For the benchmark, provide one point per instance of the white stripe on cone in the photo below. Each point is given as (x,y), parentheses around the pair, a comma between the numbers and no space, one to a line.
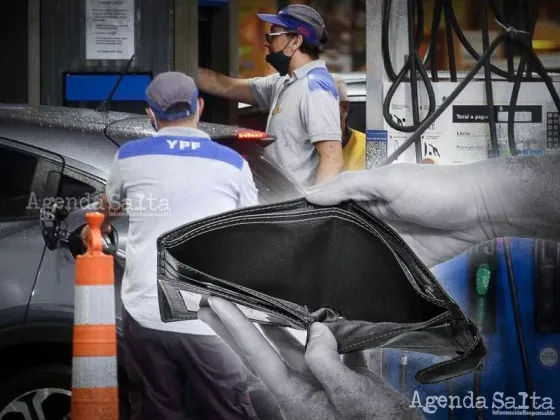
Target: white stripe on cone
(94,372)
(94,305)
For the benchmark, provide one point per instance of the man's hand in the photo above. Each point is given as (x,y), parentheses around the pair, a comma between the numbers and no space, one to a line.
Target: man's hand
(86,232)
(307,385)
(434,208)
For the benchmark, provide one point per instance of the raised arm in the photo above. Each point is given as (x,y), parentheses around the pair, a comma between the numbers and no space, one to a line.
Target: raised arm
(232,88)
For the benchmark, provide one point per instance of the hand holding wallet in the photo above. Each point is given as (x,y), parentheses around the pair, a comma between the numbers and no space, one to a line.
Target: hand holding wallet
(294,263)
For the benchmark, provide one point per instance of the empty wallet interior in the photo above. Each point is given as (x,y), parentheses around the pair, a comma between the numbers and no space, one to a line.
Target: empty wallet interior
(326,258)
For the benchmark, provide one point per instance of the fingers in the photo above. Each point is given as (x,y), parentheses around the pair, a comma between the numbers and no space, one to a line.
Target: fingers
(209,317)
(366,185)
(260,354)
(344,387)
(84,235)
(289,347)
(322,356)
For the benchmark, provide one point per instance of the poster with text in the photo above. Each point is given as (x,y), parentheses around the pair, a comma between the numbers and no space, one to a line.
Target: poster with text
(109,29)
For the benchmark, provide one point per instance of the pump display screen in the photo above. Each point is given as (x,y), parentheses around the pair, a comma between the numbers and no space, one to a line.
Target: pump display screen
(521,116)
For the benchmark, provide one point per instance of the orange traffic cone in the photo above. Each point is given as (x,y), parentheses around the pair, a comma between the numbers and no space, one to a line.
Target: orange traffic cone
(94,365)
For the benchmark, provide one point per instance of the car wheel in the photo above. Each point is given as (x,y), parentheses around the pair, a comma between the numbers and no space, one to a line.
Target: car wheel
(40,393)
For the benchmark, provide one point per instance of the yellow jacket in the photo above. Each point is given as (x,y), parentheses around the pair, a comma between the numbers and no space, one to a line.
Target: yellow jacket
(354,152)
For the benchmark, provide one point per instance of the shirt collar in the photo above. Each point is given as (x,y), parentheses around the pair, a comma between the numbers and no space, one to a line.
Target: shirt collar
(182,132)
(306,68)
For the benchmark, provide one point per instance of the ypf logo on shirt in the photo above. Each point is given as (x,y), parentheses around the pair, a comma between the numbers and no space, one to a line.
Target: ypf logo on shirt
(183,144)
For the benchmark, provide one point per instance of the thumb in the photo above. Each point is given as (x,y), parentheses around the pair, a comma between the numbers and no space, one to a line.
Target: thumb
(322,354)
(365,185)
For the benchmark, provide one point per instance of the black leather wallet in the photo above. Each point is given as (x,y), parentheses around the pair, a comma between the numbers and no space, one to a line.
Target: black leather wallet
(294,263)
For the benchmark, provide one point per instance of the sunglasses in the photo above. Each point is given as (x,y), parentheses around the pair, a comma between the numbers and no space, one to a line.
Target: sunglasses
(268,37)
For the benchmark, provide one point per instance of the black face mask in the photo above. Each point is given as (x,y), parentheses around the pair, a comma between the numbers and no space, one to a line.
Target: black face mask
(280,61)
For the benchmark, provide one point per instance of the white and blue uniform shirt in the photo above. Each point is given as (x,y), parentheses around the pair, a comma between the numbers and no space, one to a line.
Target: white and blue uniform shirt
(163,182)
(303,109)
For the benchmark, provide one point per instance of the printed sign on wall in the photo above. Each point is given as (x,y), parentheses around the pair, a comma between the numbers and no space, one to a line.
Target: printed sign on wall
(109,29)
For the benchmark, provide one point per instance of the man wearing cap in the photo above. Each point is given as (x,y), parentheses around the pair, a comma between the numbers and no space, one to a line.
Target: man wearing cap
(162,182)
(301,97)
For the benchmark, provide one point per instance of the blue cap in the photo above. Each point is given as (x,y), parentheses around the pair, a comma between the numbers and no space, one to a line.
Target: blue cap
(301,19)
(172,88)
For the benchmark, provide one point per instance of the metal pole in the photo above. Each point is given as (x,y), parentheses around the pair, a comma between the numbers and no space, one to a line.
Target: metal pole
(377,78)
(376,145)
(34,52)
(186,37)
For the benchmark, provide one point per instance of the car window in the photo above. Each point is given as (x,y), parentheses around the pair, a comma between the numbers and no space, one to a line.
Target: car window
(77,190)
(73,188)
(17,171)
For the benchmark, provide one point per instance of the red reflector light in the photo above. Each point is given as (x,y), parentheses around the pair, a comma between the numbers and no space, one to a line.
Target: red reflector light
(251,135)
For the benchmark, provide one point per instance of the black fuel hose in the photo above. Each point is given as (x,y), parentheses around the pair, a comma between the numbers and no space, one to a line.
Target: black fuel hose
(430,119)
(488,84)
(413,52)
(385,47)
(412,64)
(419,13)
(448,12)
(470,49)
(532,18)
(438,9)
(517,320)
(532,58)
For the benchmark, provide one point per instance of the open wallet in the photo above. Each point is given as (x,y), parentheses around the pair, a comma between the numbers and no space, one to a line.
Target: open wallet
(294,263)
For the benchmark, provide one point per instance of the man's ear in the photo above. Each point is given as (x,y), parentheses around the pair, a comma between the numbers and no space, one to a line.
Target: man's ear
(200,107)
(151,115)
(296,43)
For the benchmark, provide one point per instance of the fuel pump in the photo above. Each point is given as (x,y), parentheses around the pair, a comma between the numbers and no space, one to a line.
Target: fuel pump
(433,104)
(509,287)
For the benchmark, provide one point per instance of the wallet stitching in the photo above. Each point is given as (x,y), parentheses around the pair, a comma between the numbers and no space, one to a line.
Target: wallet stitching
(455,360)
(452,332)
(197,231)
(168,289)
(429,323)
(239,213)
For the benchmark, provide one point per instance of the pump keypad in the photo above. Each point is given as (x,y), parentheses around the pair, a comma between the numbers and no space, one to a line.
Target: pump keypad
(553,130)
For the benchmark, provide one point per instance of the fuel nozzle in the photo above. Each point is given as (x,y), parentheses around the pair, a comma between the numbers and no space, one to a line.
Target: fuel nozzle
(483,277)
(482,291)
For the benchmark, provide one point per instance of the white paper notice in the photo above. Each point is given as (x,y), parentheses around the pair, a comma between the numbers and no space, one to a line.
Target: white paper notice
(109,29)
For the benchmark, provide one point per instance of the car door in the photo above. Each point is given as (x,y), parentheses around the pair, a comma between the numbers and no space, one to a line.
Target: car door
(27,176)
(53,295)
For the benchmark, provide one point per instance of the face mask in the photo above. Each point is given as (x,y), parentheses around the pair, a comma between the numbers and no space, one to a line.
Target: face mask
(280,61)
